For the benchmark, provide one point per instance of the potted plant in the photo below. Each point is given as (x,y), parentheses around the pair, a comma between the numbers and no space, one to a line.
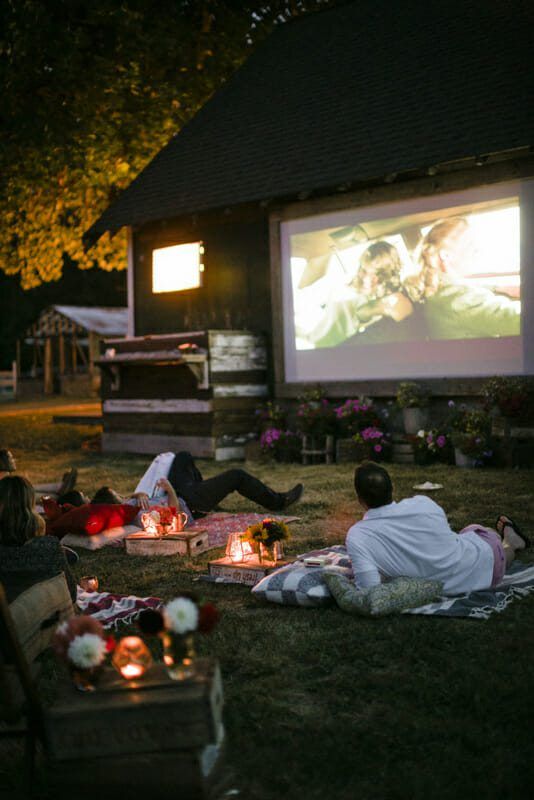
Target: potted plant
(413,399)
(374,444)
(508,398)
(352,417)
(281,445)
(432,445)
(470,435)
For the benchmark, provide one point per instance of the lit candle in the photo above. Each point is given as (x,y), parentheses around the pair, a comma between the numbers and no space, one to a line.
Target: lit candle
(131,657)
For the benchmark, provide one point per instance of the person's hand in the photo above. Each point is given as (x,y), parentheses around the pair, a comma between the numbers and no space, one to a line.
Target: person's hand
(142,500)
(164,484)
(397,306)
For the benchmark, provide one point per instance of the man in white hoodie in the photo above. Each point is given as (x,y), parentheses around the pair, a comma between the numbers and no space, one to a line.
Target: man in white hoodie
(412,538)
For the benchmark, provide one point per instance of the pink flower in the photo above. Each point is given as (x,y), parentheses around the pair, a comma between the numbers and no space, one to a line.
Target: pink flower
(441,441)
(377,448)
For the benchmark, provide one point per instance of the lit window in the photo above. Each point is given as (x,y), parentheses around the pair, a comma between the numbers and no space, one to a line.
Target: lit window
(177,268)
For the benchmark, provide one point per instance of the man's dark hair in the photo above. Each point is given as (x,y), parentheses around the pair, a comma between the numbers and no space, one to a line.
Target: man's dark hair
(73,498)
(106,495)
(373,484)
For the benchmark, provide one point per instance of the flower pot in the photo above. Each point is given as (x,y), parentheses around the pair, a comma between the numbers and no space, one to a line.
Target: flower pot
(415,419)
(463,460)
(349,451)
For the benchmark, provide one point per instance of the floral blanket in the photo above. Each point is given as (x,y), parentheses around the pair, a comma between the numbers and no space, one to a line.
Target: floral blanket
(113,610)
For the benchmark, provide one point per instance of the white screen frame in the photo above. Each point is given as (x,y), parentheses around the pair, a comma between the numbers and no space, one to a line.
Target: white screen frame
(426,359)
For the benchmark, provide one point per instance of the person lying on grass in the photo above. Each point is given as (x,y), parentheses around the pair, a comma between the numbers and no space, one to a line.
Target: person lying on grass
(8,465)
(412,538)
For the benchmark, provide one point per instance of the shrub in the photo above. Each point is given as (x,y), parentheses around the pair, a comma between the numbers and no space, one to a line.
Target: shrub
(411,395)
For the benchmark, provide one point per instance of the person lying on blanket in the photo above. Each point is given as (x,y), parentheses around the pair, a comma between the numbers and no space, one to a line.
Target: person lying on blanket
(177,476)
(412,538)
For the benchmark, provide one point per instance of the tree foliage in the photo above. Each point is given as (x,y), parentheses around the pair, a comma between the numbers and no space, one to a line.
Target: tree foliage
(91,92)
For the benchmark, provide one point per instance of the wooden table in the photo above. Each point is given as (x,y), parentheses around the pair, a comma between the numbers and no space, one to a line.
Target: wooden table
(185,543)
(152,738)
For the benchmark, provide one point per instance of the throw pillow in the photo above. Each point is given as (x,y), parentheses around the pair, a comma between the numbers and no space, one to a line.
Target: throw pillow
(37,612)
(93,518)
(299,585)
(387,598)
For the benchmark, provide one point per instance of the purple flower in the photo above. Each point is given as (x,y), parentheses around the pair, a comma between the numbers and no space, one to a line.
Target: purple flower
(441,441)
(377,448)
(478,440)
(451,403)
(430,438)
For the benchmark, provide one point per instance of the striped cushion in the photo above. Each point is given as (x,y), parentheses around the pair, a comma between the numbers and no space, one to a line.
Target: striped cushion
(298,585)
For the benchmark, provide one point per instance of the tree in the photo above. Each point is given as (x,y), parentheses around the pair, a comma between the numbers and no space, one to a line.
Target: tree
(91,92)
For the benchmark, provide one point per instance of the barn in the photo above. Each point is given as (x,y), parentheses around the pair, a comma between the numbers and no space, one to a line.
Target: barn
(352,134)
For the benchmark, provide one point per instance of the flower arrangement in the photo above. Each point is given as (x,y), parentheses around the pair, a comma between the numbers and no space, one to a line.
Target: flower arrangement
(266,532)
(282,445)
(82,644)
(315,414)
(411,395)
(175,624)
(354,415)
(513,396)
(270,416)
(432,445)
(375,440)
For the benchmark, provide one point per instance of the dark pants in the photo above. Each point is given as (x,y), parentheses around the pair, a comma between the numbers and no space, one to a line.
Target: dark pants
(203,495)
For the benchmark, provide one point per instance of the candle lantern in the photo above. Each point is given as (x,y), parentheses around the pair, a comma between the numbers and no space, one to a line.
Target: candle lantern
(131,657)
(238,549)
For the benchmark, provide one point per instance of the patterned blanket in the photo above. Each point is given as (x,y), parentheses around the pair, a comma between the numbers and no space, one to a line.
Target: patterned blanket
(517,583)
(113,610)
(220,524)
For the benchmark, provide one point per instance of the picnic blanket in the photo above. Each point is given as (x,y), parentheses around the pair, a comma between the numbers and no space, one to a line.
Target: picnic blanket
(113,610)
(517,583)
(222,523)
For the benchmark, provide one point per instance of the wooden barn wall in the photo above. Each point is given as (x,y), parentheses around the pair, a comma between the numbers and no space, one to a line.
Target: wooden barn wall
(236,292)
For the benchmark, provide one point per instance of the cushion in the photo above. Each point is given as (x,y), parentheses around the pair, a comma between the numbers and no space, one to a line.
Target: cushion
(37,612)
(93,518)
(111,536)
(298,585)
(387,598)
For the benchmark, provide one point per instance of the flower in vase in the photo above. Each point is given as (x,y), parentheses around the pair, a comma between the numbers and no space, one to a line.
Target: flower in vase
(208,618)
(86,651)
(181,615)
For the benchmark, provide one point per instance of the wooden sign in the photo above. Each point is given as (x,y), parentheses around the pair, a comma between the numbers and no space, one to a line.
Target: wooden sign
(182,544)
(248,573)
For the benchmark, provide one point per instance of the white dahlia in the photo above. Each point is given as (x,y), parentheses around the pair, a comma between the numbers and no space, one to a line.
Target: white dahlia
(87,650)
(181,615)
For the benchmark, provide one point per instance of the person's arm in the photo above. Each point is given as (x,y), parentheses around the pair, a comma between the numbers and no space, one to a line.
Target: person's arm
(164,484)
(365,571)
(141,499)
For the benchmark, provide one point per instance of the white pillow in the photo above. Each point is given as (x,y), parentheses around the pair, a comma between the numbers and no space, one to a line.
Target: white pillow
(111,536)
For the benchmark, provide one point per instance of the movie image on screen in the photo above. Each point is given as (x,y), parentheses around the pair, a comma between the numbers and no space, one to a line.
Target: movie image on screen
(442,274)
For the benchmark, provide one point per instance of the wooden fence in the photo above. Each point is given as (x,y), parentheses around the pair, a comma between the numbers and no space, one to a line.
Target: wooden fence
(8,382)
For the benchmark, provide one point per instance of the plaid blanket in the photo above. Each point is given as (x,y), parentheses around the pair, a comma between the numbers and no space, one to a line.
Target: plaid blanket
(113,610)
(517,583)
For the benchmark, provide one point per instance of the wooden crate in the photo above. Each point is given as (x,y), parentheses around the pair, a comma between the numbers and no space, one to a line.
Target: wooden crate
(175,544)
(248,573)
(156,737)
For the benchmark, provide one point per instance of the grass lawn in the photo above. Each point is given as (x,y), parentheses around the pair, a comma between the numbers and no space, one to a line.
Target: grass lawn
(320,704)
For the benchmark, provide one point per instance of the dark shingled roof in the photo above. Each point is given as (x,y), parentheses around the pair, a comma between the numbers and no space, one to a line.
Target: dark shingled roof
(349,94)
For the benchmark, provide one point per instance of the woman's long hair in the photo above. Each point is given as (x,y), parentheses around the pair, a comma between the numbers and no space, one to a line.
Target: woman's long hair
(428,256)
(18,520)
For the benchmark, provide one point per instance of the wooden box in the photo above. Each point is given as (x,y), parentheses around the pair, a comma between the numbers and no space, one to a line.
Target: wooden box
(248,573)
(186,543)
(156,737)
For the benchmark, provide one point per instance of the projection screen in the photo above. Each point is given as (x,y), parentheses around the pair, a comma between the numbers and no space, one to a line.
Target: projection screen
(433,286)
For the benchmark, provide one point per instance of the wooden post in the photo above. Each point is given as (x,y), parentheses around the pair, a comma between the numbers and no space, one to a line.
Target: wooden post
(61,343)
(17,357)
(74,353)
(15,379)
(48,367)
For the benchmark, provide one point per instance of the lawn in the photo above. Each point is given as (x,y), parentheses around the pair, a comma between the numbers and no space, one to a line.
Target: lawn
(320,704)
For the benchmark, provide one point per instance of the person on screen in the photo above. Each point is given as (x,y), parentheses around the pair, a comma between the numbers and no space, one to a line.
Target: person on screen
(377,294)
(452,308)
